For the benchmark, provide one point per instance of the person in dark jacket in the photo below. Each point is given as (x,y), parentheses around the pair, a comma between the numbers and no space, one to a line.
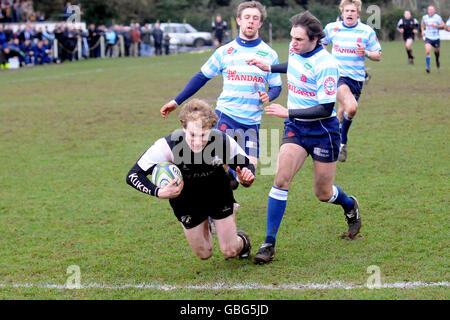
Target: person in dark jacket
(158,39)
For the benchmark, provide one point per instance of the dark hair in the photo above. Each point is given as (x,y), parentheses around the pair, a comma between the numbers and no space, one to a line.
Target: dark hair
(311,24)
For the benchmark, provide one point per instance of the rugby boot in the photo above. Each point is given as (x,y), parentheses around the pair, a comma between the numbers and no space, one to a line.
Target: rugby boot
(353,218)
(265,254)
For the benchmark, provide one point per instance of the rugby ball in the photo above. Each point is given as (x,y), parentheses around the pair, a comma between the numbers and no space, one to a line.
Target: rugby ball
(164,173)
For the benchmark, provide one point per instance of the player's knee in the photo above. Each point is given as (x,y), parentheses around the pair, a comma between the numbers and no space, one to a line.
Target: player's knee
(282,182)
(323,195)
(203,253)
(352,109)
(229,251)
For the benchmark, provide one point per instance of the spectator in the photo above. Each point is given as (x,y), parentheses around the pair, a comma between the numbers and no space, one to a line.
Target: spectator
(59,36)
(6,11)
(42,53)
(135,40)
(48,35)
(26,9)
(40,16)
(146,38)
(157,39)
(67,10)
(38,35)
(111,40)
(9,32)
(27,48)
(69,44)
(126,40)
(166,43)
(7,52)
(26,33)
(93,41)
(84,43)
(16,14)
(3,37)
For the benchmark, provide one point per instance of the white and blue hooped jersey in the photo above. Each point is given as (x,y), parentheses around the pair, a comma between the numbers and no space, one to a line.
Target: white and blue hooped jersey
(239,98)
(312,79)
(345,40)
(432,33)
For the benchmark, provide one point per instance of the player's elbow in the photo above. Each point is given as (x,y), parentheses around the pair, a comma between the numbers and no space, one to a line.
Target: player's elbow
(131,176)
(377,57)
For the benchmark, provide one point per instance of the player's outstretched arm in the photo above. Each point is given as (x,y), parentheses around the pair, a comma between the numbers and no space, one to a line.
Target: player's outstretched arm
(275,68)
(196,82)
(168,108)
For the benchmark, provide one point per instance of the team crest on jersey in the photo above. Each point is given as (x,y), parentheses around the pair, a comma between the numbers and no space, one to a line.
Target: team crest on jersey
(231,50)
(330,86)
(336,29)
(359,40)
(303,78)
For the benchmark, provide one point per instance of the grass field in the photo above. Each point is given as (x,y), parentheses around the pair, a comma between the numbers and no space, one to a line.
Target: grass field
(70,133)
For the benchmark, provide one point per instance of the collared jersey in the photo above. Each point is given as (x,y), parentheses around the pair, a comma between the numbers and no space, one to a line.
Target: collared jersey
(408,26)
(312,79)
(432,33)
(239,98)
(345,42)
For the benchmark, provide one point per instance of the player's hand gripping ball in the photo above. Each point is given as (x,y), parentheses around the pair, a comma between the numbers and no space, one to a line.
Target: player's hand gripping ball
(164,173)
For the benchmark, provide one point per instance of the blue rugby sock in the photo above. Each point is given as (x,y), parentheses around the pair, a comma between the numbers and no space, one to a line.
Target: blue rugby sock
(346,123)
(339,197)
(275,211)
(428,60)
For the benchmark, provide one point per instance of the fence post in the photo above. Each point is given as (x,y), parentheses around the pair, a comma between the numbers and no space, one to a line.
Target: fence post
(121,46)
(102,46)
(55,49)
(80,53)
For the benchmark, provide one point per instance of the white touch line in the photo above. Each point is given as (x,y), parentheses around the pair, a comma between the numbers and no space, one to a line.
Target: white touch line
(224,286)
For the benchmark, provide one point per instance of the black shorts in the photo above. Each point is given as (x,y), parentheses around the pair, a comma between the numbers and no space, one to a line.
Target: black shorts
(434,43)
(192,209)
(407,36)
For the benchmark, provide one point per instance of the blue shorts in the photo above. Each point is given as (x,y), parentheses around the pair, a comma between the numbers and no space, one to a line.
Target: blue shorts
(247,136)
(355,86)
(320,138)
(434,43)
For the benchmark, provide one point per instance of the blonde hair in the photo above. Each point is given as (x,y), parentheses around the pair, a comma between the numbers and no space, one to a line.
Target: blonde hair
(198,110)
(252,4)
(357,3)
